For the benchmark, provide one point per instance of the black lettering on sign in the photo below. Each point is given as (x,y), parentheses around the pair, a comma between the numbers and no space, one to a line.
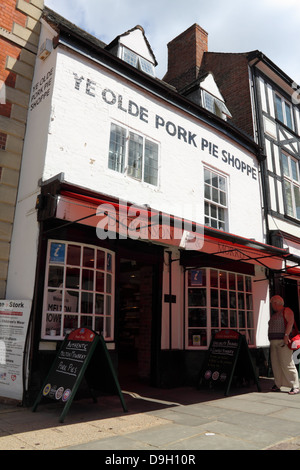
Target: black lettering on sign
(174,130)
(112,98)
(41,90)
(239,164)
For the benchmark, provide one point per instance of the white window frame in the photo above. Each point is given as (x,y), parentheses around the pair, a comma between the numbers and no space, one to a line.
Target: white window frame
(199,337)
(284,104)
(63,303)
(291,185)
(214,205)
(214,105)
(137,61)
(122,159)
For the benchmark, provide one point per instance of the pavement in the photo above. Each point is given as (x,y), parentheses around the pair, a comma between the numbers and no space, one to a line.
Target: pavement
(183,419)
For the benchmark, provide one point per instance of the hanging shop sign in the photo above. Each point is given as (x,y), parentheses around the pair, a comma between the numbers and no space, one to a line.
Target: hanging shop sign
(75,361)
(228,357)
(14,320)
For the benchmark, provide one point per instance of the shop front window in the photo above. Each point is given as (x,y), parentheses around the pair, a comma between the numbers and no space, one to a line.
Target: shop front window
(217,300)
(79,290)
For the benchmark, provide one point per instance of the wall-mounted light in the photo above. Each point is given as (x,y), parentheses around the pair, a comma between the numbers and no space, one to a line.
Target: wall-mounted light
(45,49)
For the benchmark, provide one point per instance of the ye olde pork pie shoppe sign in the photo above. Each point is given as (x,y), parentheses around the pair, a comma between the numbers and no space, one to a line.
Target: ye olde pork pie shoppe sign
(130,107)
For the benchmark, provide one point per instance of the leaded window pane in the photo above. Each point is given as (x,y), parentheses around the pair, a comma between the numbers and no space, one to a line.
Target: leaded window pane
(116,158)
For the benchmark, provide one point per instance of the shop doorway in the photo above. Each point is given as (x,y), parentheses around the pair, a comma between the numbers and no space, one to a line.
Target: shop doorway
(291,297)
(135,321)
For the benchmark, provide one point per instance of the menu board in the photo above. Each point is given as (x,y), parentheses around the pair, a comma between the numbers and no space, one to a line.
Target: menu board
(14,320)
(70,366)
(228,356)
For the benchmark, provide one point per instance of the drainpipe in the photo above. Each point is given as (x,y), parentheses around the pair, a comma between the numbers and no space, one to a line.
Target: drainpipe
(261,155)
(170,299)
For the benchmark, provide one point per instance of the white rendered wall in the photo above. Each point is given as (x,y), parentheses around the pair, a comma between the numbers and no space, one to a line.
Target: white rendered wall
(78,144)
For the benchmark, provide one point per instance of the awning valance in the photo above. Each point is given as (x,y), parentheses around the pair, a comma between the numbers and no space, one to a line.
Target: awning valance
(116,219)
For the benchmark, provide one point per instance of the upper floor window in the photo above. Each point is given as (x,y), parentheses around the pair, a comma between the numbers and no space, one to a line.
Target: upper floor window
(133,154)
(79,290)
(215,200)
(291,185)
(214,105)
(284,111)
(137,61)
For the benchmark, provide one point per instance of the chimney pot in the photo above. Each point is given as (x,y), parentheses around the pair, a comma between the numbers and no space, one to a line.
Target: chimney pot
(185,54)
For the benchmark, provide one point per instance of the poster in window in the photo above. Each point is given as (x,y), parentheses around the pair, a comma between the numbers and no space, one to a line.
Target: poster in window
(54,307)
(196,340)
(196,277)
(57,253)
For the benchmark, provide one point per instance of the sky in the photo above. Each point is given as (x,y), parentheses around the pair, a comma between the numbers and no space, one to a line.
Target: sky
(270,26)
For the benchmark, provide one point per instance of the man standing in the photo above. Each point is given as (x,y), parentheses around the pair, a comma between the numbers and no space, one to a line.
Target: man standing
(280,326)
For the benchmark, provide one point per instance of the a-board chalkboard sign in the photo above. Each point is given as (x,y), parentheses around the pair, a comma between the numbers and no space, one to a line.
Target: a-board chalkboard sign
(228,356)
(70,366)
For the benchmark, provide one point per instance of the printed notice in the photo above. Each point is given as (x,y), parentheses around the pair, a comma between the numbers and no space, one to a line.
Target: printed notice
(14,319)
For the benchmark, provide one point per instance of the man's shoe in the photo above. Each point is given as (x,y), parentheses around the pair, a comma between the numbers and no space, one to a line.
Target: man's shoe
(275,389)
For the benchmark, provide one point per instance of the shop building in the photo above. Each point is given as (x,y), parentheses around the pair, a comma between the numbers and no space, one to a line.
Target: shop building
(139,211)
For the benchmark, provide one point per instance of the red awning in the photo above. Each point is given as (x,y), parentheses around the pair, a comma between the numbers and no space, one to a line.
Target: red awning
(114,219)
(294,271)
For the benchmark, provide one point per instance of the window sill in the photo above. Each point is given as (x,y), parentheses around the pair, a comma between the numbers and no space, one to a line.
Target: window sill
(126,177)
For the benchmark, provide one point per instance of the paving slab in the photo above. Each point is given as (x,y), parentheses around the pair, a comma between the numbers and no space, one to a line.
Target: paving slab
(183,419)
(215,442)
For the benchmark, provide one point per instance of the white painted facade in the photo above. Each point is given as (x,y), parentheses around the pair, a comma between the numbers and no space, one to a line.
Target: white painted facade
(74,101)
(78,145)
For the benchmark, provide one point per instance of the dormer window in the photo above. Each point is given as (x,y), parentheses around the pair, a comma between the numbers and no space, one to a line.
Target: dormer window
(214,105)
(205,92)
(136,60)
(134,48)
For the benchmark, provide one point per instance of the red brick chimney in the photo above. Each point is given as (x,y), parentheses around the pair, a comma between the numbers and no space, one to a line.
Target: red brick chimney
(185,54)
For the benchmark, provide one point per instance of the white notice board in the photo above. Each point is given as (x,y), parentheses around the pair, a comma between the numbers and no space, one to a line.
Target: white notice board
(14,320)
